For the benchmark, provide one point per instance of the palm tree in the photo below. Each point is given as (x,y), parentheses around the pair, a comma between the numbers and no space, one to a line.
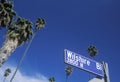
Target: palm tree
(92,50)
(6,13)
(68,71)
(6,73)
(18,33)
(24,54)
(52,79)
(40,23)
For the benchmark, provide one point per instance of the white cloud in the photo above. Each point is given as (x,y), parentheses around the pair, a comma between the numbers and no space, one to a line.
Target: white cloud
(20,77)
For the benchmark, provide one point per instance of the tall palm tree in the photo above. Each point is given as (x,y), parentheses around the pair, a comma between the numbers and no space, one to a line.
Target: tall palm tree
(6,13)
(52,79)
(68,71)
(92,50)
(24,54)
(6,73)
(18,33)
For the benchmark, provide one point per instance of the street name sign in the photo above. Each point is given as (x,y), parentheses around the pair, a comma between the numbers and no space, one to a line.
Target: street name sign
(84,63)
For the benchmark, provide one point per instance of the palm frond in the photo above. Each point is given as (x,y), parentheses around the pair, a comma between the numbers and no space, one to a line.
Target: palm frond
(21,29)
(3,1)
(68,70)
(92,50)
(40,23)
(6,13)
(7,71)
(52,79)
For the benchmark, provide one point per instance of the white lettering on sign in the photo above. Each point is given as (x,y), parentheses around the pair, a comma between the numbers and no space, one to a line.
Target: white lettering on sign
(83,63)
(76,59)
(98,66)
(88,63)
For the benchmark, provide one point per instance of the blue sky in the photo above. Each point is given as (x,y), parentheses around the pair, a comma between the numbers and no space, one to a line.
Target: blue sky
(72,25)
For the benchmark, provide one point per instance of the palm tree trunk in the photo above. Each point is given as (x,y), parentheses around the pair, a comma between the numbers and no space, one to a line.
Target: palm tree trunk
(66,78)
(8,47)
(21,60)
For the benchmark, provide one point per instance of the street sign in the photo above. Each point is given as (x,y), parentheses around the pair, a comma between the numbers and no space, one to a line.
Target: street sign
(84,63)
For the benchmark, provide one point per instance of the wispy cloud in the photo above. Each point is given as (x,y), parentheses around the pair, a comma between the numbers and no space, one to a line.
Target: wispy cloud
(20,77)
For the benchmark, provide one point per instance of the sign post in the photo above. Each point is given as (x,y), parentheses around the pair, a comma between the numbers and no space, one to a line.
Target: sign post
(106,75)
(106,72)
(83,63)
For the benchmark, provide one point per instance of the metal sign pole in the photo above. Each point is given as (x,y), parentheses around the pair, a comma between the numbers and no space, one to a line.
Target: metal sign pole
(106,72)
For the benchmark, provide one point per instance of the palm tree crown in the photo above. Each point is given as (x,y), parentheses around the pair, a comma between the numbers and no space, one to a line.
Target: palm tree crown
(6,13)
(92,50)
(40,23)
(20,30)
(52,79)
(7,72)
(68,70)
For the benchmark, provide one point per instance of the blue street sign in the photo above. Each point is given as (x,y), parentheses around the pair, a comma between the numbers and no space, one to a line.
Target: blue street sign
(83,63)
